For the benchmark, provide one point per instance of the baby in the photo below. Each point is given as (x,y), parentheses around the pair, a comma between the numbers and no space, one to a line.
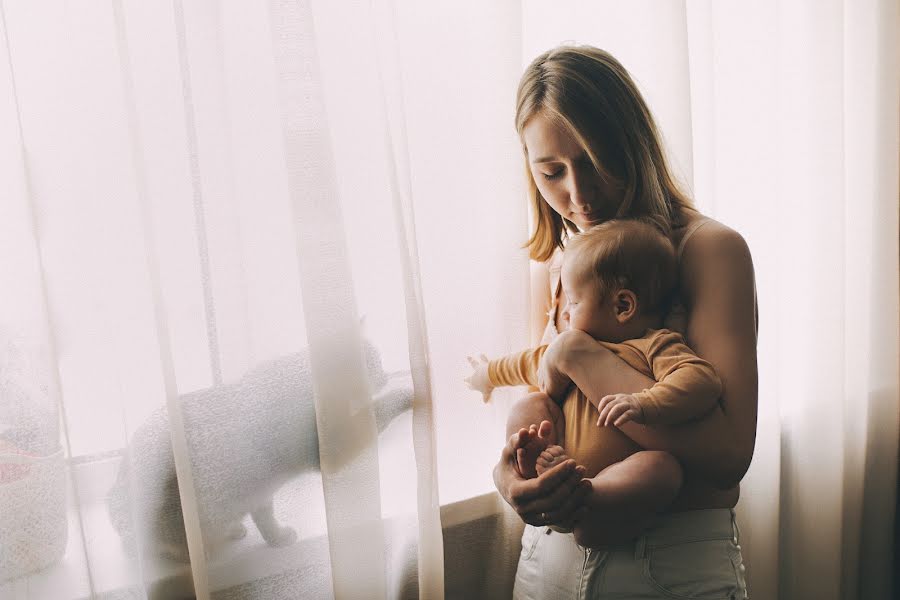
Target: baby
(618,278)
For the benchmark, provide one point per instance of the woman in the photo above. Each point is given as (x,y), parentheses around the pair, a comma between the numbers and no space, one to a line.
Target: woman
(593,153)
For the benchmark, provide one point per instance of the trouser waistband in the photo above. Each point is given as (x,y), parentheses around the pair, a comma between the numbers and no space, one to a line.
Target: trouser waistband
(689,526)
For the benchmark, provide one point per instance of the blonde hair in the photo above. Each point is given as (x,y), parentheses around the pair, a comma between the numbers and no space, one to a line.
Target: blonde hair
(626,253)
(591,94)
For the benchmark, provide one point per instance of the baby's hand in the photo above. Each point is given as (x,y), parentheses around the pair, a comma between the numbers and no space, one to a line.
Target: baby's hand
(618,409)
(479,379)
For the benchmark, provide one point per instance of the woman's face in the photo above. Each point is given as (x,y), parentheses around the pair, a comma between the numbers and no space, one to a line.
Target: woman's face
(565,175)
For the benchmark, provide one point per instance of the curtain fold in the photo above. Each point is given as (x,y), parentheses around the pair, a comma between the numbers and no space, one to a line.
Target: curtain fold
(355,534)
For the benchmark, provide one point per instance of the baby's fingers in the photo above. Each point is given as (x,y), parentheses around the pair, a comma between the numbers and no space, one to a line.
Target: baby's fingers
(623,419)
(615,413)
(603,415)
(606,400)
(629,415)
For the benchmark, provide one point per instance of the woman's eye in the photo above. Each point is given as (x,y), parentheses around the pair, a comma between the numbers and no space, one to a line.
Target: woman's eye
(551,176)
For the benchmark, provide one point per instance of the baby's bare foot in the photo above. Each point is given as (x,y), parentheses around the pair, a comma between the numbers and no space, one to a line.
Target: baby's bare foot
(532,442)
(549,458)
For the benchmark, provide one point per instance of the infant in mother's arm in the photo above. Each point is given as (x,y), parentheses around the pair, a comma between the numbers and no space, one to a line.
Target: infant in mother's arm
(618,278)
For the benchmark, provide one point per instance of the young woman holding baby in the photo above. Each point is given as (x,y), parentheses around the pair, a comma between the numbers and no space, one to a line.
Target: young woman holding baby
(593,153)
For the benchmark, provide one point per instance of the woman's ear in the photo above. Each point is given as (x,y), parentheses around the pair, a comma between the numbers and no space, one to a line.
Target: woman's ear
(625,305)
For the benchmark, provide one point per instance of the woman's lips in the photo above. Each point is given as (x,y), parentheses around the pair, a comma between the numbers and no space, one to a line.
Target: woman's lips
(587,216)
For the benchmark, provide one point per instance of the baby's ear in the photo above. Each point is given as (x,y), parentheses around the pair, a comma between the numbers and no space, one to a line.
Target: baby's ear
(626,305)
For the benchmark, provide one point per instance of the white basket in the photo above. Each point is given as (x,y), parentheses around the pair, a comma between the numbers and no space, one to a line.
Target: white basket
(33,527)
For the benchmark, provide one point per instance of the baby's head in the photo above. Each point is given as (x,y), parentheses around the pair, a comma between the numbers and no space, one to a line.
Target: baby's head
(618,278)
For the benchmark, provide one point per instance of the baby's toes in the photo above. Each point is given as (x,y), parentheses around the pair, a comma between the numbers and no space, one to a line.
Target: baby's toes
(555,451)
(547,460)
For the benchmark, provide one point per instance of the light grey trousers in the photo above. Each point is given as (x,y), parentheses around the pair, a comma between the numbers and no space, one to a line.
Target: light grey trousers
(692,554)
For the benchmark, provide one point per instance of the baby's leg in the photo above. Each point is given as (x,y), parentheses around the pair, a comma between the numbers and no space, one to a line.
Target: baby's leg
(527,417)
(625,497)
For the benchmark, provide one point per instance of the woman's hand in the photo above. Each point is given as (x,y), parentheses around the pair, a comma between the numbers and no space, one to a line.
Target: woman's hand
(556,497)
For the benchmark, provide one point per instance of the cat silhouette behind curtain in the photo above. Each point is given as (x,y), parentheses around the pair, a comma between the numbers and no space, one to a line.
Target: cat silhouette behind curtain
(246,440)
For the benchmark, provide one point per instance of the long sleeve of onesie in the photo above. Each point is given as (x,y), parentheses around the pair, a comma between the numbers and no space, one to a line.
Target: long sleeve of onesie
(520,368)
(687,386)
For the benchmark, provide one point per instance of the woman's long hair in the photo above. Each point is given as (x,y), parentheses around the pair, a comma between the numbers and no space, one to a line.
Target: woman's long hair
(590,93)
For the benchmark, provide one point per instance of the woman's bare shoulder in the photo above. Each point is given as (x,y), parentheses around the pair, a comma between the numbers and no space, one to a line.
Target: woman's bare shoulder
(717,277)
(715,242)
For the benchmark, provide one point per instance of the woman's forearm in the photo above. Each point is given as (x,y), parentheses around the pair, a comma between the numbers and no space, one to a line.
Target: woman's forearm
(704,447)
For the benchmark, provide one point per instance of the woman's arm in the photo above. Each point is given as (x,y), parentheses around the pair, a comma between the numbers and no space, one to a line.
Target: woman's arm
(720,294)
(717,282)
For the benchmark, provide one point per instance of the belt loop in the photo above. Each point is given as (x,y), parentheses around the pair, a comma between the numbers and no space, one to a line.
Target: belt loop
(640,545)
(734,527)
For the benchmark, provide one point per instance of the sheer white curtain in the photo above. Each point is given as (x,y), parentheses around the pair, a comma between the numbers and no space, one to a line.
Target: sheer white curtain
(212,306)
(797,107)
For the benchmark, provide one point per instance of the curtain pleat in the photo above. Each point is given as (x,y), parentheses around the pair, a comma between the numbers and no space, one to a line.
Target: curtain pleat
(28,324)
(430,546)
(355,532)
(183,467)
(193,151)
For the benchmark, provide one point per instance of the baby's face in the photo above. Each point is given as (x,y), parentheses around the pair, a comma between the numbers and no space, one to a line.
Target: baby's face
(588,311)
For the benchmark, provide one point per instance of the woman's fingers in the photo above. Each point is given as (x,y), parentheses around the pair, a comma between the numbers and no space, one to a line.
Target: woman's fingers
(546,495)
(553,508)
(538,510)
(526,490)
(565,514)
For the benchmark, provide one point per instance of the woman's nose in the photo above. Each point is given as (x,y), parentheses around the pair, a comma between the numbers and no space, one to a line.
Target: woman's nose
(581,190)
(579,194)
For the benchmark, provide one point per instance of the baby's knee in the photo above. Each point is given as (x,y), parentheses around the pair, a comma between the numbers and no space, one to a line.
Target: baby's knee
(538,403)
